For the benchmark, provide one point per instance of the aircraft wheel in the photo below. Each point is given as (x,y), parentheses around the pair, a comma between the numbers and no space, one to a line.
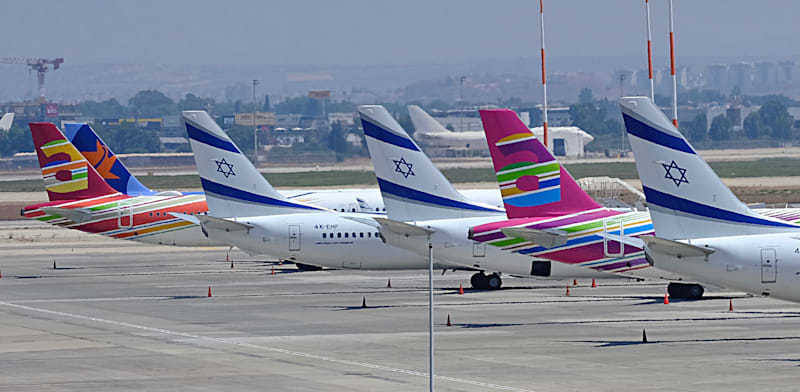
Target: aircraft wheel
(494,281)
(479,281)
(685,290)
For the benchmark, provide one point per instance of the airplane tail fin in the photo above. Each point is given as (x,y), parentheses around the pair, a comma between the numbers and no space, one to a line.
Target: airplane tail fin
(531,180)
(411,186)
(6,121)
(66,173)
(233,186)
(423,122)
(103,159)
(686,198)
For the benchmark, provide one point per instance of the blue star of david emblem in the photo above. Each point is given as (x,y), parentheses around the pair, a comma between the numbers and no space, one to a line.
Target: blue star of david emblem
(403,167)
(225,168)
(678,177)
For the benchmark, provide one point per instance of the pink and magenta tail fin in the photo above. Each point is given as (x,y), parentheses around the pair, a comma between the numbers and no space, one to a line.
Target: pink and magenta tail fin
(532,182)
(66,173)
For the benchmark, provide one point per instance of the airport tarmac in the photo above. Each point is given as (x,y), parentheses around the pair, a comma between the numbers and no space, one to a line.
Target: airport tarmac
(123,316)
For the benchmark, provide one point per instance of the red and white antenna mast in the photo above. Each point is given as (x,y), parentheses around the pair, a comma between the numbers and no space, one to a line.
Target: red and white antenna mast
(544,78)
(672,68)
(649,53)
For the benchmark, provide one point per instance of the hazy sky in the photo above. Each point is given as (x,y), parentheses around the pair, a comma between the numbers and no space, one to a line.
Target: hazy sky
(351,32)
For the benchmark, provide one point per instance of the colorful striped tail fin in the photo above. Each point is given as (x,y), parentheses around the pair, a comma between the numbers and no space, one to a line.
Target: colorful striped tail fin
(84,138)
(67,174)
(531,180)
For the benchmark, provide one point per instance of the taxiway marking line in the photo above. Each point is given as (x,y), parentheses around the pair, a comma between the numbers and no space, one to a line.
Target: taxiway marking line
(265,348)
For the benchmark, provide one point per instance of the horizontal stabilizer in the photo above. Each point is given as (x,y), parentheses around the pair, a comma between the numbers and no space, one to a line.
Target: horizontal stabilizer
(366,221)
(213,222)
(675,248)
(549,238)
(403,228)
(77,215)
(186,217)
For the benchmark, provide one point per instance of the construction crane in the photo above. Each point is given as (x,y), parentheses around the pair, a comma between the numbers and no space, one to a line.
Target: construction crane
(38,65)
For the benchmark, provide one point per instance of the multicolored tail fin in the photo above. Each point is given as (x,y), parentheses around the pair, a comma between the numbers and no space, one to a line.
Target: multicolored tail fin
(233,186)
(411,186)
(84,138)
(67,175)
(686,198)
(531,180)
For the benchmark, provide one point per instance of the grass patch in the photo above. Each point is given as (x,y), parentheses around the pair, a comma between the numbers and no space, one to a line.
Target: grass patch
(770,167)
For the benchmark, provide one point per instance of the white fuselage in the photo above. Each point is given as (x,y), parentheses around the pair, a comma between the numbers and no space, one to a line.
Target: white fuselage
(451,243)
(764,264)
(320,238)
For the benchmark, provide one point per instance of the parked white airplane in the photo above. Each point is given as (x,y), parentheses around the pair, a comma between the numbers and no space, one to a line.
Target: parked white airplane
(417,196)
(702,230)
(246,211)
(6,121)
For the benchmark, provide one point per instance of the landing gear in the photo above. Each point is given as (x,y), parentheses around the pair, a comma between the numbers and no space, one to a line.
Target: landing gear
(481,281)
(307,267)
(685,290)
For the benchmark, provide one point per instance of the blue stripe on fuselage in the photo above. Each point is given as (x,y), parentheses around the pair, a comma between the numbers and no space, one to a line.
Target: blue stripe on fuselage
(408,193)
(226,191)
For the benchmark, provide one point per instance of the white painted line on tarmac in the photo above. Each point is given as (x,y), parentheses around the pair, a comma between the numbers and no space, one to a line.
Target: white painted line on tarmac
(264,348)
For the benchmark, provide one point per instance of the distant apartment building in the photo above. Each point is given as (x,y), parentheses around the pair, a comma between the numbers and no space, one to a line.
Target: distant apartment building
(344,118)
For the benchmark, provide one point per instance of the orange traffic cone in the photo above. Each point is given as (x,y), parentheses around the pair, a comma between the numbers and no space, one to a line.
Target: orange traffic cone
(460,289)
(666,299)
(209,291)
(273,270)
(594,284)
(567,289)
(389,285)
(730,305)
(448,321)
(574,282)
(1,274)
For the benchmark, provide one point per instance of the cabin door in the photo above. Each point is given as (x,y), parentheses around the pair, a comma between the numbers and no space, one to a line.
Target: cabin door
(294,237)
(124,216)
(769,266)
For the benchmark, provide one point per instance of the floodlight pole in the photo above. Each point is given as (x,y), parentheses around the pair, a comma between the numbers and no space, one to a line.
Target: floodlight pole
(255,127)
(430,310)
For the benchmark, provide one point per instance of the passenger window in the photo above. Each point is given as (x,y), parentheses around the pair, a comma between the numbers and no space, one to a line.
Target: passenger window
(361,235)
(377,235)
(338,235)
(377,209)
(345,235)
(354,235)
(323,235)
(352,210)
(151,214)
(369,235)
